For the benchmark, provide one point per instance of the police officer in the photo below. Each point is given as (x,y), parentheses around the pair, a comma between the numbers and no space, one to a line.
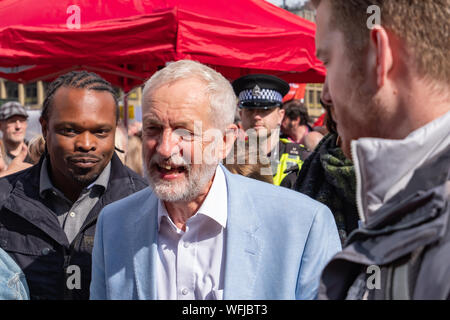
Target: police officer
(260,100)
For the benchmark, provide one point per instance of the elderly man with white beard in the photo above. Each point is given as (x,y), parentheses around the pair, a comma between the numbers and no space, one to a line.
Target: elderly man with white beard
(199,232)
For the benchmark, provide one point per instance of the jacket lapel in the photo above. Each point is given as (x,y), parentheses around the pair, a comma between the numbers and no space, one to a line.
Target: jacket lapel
(144,246)
(243,248)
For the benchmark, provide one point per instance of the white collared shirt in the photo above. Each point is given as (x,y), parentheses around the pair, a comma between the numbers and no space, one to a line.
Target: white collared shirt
(190,263)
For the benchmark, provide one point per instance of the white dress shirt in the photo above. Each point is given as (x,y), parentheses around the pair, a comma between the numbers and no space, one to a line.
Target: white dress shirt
(190,263)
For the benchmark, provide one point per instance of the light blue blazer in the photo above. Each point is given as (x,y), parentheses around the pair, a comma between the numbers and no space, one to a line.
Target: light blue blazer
(277,243)
(13,285)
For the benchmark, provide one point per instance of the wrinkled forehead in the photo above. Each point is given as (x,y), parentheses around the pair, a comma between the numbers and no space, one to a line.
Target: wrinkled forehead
(162,115)
(169,109)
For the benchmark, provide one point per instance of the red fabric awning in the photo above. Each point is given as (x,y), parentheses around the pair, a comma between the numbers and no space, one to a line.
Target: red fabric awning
(126,41)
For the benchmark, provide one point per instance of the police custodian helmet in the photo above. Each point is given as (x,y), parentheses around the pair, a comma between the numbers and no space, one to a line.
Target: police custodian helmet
(260,91)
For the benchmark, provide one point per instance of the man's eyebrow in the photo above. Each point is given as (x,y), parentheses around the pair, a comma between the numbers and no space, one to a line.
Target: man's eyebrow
(65,123)
(184,124)
(77,125)
(150,120)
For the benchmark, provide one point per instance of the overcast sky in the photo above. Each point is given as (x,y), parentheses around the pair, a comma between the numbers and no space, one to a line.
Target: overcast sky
(288,2)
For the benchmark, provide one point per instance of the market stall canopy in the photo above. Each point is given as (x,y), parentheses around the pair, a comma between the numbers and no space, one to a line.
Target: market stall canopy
(126,41)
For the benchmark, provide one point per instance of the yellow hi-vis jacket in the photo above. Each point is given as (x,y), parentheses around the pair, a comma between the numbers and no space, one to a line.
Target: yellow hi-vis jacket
(291,154)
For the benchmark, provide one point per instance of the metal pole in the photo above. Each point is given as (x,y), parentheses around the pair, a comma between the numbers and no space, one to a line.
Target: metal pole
(125,111)
(125,102)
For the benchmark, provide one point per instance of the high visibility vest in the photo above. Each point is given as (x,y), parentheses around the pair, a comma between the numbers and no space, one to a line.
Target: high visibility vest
(291,155)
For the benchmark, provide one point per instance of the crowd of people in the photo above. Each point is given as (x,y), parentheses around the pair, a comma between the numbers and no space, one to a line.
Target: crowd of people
(224,191)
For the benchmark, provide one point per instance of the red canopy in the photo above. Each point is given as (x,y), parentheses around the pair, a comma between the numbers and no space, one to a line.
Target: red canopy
(126,41)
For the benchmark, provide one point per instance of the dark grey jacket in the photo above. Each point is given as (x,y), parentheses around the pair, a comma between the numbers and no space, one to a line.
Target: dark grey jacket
(408,239)
(31,234)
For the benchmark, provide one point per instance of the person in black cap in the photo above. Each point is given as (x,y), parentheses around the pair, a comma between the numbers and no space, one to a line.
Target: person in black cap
(13,124)
(260,100)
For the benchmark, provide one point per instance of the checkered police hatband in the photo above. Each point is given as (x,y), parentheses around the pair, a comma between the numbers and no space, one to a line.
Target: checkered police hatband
(263,94)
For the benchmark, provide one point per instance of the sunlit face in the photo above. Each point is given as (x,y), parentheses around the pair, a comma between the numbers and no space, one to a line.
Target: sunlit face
(355,111)
(180,159)
(264,121)
(79,135)
(14,129)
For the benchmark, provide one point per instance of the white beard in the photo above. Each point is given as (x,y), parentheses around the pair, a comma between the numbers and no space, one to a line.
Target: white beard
(188,189)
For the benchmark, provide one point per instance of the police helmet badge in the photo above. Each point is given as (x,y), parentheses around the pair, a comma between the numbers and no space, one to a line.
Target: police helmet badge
(256,91)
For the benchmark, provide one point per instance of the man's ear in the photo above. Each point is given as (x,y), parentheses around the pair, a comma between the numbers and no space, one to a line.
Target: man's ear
(44,127)
(381,57)
(281,113)
(229,138)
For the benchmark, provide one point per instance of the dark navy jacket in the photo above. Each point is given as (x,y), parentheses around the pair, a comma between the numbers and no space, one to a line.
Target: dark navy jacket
(31,234)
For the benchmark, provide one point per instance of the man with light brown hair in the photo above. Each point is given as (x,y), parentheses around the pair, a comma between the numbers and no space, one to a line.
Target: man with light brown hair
(387,84)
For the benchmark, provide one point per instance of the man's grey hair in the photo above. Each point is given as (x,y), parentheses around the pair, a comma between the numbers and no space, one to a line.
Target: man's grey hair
(218,89)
